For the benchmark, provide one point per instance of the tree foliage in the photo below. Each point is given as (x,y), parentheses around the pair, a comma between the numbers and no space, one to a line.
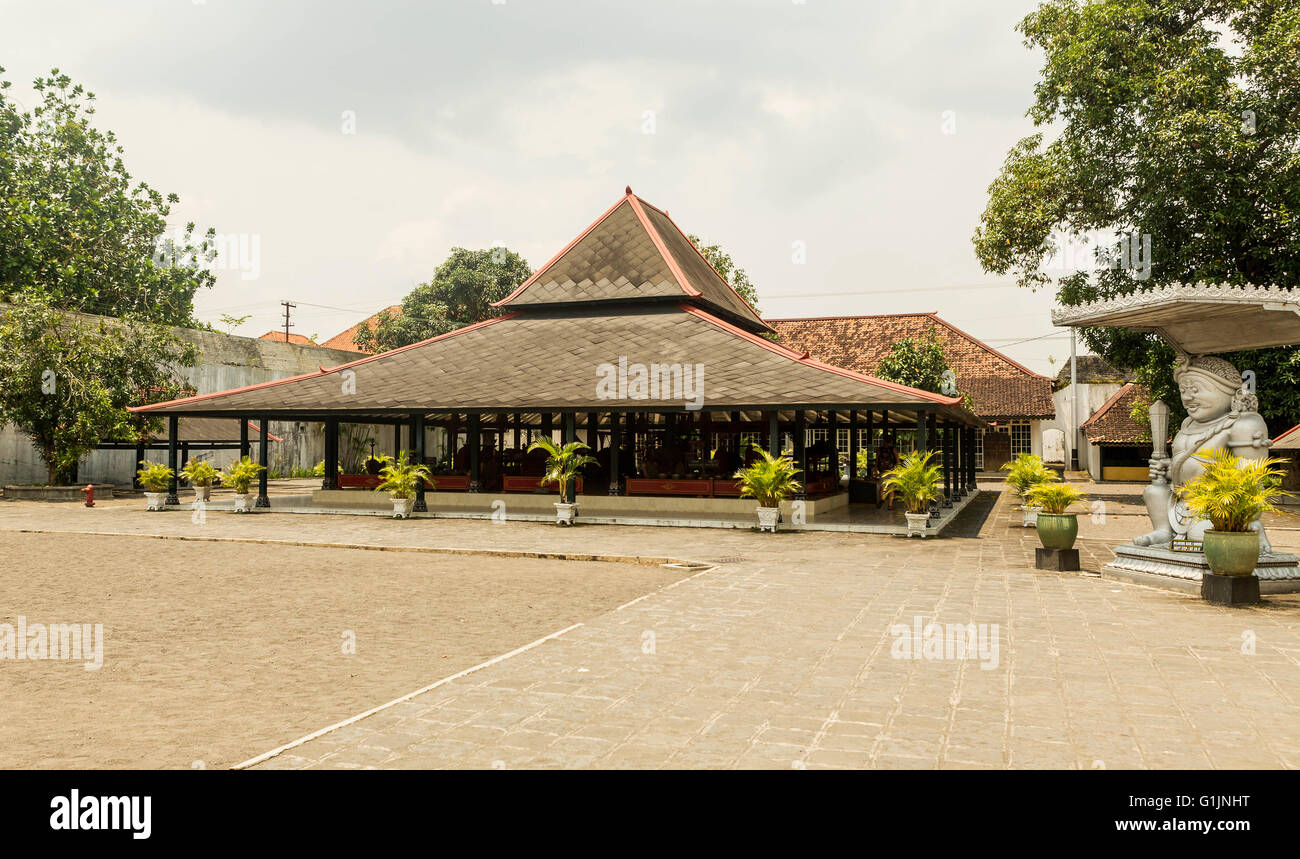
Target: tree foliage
(916,362)
(1178,120)
(460,293)
(73,225)
(731,273)
(67,382)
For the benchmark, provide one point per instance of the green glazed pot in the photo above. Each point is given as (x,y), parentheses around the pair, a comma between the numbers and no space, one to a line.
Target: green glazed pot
(1231,553)
(1058,530)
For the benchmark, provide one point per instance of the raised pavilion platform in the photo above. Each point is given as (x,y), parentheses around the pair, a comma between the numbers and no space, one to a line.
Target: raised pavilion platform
(630,341)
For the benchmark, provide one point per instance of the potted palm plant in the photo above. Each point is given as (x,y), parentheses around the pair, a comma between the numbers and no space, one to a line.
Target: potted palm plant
(400,479)
(1232,493)
(769,480)
(917,481)
(562,467)
(240,476)
(201,474)
(1057,529)
(1024,473)
(156,479)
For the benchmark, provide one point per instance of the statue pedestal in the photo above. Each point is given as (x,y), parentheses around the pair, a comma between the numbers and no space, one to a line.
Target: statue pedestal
(1059,560)
(1157,566)
(1230,590)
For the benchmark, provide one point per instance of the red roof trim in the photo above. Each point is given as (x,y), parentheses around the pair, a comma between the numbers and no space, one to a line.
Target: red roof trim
(934,315)
(663,248)
(810,362)
(317,374)
(553,260)
(696,248)
(1287,433)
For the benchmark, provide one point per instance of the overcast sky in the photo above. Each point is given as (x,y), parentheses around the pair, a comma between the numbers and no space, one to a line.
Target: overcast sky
(757,124)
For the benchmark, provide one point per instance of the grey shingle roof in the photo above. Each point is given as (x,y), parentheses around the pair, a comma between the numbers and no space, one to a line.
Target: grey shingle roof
(550,360)
(633,251)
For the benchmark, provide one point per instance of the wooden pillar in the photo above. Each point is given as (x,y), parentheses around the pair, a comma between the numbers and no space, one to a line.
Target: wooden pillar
(519,419)
(417,442)
(922,439)
(243,438)
(139,463)
(331,480)
(853,446)
(569,433)
(958,462)
(474,438)
(947,463)
(548,426)
(971,434)
(263,429)
(397,440)
(773,433)
(871,431)
(173,430)
(615,442)
(801,452)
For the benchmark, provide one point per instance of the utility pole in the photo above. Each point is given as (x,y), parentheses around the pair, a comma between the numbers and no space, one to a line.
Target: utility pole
(287,323)
(1074,403)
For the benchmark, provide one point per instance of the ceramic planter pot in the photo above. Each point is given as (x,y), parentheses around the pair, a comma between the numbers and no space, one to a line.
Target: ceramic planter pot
(402,507)
(916,523)
(565,513)
(155,500)
(1031,516)
(202,493)
(244,503)
(1231,553)
(1058,530)
(768,517)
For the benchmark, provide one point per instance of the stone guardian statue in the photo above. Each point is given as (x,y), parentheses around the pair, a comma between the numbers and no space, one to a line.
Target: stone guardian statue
(1221,413)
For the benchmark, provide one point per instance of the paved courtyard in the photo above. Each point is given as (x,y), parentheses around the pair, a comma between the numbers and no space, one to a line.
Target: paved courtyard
(780,654)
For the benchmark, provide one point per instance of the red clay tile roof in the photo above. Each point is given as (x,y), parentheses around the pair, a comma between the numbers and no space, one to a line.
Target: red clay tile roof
(278,336)
(1113,423)
(346,340)
(998,386)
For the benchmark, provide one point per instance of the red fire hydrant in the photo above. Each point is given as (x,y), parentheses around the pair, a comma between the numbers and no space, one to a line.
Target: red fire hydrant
(89,492)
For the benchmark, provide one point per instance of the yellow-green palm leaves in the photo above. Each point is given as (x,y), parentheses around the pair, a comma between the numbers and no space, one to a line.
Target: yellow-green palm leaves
(401,477)
(562,463)
(916,479)
(769,480)
(1232,492)
(1052,497)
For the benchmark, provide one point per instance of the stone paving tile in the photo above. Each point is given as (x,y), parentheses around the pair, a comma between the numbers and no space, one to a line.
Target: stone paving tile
(784,659)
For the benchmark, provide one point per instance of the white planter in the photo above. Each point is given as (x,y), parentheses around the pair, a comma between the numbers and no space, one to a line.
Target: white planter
(565,513)
(203,493)
(916,523)
(1031,516)
(402,507)
(244,503)
(768,517)
(155,500)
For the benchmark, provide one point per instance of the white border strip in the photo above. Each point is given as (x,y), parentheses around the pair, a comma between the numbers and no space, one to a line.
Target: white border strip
(408,696)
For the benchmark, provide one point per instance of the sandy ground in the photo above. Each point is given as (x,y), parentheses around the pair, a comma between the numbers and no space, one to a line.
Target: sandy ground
(216,652)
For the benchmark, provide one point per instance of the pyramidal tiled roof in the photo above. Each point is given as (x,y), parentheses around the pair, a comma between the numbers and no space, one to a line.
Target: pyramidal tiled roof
(633,252)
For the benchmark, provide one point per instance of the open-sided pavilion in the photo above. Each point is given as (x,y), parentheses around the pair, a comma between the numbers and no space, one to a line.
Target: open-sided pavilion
(629,341)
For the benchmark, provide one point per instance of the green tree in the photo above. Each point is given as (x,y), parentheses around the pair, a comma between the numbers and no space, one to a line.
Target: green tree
(1177,121)
(731,273)
(916,362)
(460,293)
(75,228)
(67,381)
